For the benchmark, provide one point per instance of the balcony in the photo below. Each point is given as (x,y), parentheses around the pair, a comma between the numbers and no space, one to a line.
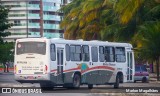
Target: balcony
(33,6)
(33,25)
(51,17)
(20,25)
(33,16)
(52,35)
(50,8)
(51,26)
(34,34)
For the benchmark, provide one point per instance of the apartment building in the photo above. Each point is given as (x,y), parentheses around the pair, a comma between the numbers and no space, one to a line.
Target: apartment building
(35,18)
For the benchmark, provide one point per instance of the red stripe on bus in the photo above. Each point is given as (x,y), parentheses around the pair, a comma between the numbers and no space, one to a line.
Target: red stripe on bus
(53,70)
(97,67)
(106,67)
(72,69)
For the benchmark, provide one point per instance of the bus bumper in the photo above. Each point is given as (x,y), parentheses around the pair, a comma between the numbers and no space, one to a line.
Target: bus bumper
(32,78)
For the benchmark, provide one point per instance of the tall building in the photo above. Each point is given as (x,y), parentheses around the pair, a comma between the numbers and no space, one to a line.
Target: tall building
(34,18)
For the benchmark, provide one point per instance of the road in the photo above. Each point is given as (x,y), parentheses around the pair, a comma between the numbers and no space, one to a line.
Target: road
(7,80)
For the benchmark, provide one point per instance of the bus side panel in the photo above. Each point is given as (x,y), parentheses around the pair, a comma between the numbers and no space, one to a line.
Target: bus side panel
(113,77)
(104,76)
(68,77)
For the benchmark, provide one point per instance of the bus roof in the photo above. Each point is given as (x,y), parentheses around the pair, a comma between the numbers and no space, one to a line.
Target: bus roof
(79,41)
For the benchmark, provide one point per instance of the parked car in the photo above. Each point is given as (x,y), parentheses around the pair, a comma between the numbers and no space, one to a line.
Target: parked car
(141,73)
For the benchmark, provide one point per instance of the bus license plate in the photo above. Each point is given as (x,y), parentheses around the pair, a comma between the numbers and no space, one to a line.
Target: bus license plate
(30,77)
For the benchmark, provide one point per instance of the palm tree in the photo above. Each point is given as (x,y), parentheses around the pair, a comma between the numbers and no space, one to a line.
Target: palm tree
(126,9)
(70,22)
(148,13)
(83,18)
(149,36)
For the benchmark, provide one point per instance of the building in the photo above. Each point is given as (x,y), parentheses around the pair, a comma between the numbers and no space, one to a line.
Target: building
(34,18)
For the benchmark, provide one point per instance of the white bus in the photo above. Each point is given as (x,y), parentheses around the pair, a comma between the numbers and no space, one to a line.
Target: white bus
(71,63)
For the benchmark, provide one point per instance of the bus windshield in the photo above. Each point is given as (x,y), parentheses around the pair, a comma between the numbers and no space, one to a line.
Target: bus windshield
(31,47)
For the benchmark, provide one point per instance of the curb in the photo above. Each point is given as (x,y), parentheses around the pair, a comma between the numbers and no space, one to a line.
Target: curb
(15,85)
(6,73)
(10,69)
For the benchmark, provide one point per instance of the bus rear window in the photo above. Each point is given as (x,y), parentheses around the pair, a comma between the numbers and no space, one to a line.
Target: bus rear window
(31,47)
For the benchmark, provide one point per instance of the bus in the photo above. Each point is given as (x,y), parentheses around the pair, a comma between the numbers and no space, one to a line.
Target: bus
(71,63)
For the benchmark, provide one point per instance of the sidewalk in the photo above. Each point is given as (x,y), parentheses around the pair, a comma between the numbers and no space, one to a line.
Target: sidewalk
(11,70)
(153,77)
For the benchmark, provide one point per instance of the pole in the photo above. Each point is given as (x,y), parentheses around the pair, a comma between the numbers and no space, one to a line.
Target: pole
(41,18)
(27,17)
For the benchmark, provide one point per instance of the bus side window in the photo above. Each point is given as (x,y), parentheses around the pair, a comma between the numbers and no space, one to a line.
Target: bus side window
(101,53)
(85,53)
(94,52)
(109,54)
(120,54)
(67,52)
(75,53)
(53,52)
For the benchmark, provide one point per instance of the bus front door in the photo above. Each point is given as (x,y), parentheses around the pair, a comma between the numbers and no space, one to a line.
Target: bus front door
(130,69)
(60,57)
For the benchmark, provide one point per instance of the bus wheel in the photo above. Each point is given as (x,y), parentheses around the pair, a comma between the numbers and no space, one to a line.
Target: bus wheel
(90,86)
(144,80)
(76,81)
(116,84)
(46,86)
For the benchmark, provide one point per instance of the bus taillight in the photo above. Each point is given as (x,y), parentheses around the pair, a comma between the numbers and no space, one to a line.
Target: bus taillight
(46,68)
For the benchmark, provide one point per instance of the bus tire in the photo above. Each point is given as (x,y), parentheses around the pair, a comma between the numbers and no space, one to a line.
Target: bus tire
(90,86)
(121,78)
(144,80)
(116,84)
(46,86)
(76,81)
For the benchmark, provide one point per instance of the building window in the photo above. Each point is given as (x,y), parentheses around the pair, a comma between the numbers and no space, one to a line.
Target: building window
(85,53)
(53,52)
(120,54)
(75,52)
(94,52)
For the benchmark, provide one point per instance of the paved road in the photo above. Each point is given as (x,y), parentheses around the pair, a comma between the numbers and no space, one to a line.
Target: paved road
(7,80)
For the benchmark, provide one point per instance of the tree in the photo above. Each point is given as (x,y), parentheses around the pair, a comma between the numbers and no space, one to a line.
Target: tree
(5,48)
(149,36)
(85,18)
(126,9)
(7,53)
(4,24)
(70,22)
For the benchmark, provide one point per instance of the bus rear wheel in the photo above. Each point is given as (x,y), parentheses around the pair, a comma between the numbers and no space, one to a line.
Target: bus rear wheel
(116,84)
(76,81)
(46,86)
